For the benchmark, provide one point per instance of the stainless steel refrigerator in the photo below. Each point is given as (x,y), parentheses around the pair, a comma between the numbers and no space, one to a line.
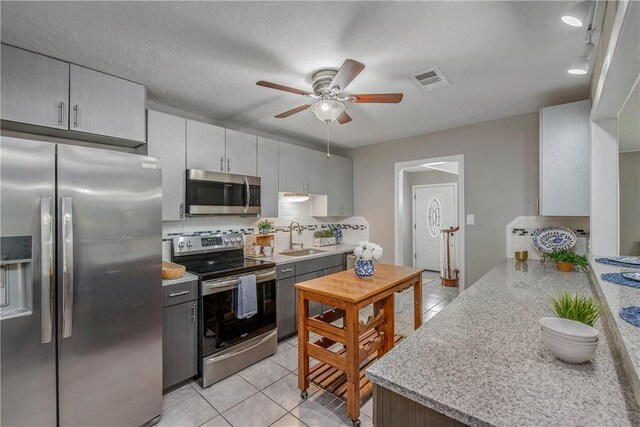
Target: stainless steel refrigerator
(80,291)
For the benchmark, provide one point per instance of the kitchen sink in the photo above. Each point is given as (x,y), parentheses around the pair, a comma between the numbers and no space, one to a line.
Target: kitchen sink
(302,252)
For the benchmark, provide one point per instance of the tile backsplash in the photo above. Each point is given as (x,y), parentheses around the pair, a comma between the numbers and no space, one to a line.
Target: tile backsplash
(354,229)
(518,232)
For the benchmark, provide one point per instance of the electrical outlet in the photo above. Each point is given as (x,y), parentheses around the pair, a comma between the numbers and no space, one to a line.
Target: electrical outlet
(471,219)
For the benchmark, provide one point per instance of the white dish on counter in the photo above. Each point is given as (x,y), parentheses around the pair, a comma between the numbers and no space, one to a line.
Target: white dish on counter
(561,337)
(632,276)
(632,260)
(570,352)
(568,328)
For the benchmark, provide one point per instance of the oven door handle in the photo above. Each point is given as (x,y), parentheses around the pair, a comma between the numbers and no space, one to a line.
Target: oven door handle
(266,276)
(216,287)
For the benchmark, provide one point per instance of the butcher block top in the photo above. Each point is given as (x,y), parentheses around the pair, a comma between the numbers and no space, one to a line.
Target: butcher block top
(348,287)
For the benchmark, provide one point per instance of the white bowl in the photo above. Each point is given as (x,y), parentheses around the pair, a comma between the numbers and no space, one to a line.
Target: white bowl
(569,328)
(570,343)
(562,337)
(569,353)
(267,250)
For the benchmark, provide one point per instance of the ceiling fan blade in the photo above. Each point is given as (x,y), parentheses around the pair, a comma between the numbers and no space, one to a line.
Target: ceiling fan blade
(282,87)
(293,111)
(349,70)
(386,98)
(344,118)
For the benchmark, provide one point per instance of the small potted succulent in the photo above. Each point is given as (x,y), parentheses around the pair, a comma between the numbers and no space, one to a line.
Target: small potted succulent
(265,226)
(575,307)
(567,260)
(366,253)
(324,238)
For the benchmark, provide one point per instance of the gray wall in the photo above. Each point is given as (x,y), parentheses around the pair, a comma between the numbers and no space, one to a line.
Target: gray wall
(501,182)
(630,203)
(411,179)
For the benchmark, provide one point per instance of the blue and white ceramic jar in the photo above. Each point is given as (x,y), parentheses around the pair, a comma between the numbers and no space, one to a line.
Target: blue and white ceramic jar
(364,268)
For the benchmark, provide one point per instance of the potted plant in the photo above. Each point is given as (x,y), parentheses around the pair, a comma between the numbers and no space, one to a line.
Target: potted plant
(366,253)
(265,226)
(567,260)
(324,238)
(576,307)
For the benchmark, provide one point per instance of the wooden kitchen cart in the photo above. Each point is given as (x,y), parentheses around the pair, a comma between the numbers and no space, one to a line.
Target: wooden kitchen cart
(342,371)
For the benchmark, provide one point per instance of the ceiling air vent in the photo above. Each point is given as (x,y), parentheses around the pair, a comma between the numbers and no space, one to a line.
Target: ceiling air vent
(430,80)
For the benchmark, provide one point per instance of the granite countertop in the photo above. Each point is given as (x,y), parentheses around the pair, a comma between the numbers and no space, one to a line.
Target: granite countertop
(482,361)
(188,277)
(625,335)
(279,258)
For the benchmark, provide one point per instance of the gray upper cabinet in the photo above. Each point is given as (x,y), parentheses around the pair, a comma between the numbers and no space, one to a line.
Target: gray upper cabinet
(35,89)
(106,105)
(340,189)
(241,152)
(564,160)
(316,171)
(166,139)
(268,173)
(205,147)
(291,173)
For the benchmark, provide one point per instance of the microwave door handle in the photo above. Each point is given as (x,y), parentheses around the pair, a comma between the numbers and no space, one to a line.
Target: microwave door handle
(247,192)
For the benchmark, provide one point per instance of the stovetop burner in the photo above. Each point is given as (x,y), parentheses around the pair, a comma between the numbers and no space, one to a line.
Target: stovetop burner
(215,256)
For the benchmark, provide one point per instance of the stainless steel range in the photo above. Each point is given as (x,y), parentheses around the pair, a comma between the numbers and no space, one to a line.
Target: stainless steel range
(228,342)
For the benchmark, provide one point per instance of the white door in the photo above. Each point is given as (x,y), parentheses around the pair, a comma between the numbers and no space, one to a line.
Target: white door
(434,208)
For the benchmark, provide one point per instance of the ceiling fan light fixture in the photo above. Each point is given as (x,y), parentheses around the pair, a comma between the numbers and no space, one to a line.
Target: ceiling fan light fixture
(295,197)
(327,110)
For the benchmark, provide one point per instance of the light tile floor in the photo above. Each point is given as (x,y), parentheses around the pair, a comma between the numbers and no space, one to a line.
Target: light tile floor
(266,393)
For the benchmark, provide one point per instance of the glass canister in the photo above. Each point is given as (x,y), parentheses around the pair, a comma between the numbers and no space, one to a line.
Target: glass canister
(449,259)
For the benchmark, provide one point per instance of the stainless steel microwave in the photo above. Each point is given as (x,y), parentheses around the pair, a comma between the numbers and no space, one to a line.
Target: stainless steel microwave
(216,193)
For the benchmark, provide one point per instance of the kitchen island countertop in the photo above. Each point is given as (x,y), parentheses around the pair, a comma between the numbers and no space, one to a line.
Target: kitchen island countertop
(482,361)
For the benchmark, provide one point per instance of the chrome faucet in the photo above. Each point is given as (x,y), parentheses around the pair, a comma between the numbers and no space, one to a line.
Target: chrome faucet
(291,244)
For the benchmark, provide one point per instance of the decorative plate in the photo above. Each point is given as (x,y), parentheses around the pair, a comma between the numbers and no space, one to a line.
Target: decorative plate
(548,239)
(632,276)
(626,259)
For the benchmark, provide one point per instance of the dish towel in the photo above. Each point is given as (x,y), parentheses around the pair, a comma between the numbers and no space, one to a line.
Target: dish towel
(619,279)
(247,302)
(631,314)
(616,263)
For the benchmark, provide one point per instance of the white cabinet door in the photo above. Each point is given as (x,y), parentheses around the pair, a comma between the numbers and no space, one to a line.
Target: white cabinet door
(241,153)
(106,105)
(205,147)
(315,166)
(564,160)
(290,168)
(268,172)
(35,88)
(340,186)
(166,139)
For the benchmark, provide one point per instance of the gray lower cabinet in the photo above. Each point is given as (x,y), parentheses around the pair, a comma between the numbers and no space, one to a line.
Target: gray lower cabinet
(298,272)
(180,336)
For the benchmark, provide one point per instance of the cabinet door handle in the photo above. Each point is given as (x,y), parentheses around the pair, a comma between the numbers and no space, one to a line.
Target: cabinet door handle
(228,165)
(221,164)
(177,294)
(286,270)
(75,115)
(181,210)
(61,113)
(193,312)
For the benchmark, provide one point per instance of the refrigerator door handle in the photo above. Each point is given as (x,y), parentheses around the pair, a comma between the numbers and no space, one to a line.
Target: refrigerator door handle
(67,267)
(46,255)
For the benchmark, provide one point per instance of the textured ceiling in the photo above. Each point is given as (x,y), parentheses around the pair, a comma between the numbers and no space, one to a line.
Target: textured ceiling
(502,58)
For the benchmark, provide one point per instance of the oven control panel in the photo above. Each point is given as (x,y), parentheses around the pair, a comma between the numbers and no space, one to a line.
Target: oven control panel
(189,245)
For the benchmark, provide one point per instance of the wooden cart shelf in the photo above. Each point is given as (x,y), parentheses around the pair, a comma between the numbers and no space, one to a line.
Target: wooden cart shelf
(342,372)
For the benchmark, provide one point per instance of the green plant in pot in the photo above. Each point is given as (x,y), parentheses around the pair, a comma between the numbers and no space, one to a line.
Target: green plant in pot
(576,307)
(323,234)
(265,226)
(567,260)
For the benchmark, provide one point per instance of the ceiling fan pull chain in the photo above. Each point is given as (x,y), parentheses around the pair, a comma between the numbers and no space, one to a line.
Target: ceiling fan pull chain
(328,155)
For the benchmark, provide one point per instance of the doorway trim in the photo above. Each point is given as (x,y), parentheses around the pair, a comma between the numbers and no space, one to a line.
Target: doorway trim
(400,205)
(413,208)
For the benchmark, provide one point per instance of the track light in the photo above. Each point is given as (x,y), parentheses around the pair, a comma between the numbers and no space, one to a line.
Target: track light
(581,65)
(578,14)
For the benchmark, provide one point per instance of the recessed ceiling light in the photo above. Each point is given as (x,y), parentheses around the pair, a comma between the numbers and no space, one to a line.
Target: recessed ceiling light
(578,14)
(427,165)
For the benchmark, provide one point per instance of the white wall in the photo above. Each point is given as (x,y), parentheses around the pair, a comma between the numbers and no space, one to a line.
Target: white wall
(501,182)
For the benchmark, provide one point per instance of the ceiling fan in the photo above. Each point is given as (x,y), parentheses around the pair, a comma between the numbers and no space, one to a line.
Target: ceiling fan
(328,86)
